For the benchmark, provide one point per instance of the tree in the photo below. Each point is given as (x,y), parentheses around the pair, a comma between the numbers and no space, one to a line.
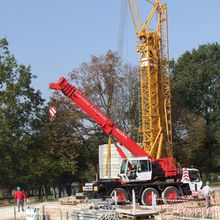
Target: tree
(130,101)
(112,86)
(108,84)
(196,82)
(58,149)
(20,108)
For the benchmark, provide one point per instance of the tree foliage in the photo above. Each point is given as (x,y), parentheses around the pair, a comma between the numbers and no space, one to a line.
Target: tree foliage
(112,87)
(36,152)
(20,108)
(196,84)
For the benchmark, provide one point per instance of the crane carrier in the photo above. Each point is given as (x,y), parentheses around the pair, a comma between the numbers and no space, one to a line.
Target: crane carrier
(141,173)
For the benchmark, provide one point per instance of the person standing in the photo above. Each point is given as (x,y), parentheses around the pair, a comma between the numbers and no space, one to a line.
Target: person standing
(207,190)
(20,197)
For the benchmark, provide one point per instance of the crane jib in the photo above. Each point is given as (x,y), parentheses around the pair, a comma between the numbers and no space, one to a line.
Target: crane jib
(99,117)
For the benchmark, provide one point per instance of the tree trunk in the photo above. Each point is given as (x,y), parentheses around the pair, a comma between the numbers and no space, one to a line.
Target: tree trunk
(54,192)
(60,191)
(39,193)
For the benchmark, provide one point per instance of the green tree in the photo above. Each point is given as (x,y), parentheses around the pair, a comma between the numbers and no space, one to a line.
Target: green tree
(196,82)
(20,108)
(59,153)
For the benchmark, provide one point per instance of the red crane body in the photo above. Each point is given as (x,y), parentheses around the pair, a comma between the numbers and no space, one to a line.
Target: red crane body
(109,127)
(105,123)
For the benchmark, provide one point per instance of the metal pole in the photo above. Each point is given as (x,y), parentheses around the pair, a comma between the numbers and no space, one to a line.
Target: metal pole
(115,198)
(67,216)
(133,200)
(154,202)
(61,217)
(75,216)
(14,213)
(43,212)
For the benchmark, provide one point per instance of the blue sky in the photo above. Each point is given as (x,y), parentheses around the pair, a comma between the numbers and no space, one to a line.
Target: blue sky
(55,36)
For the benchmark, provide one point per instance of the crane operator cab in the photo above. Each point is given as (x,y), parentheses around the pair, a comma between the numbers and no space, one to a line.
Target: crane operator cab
(135,169)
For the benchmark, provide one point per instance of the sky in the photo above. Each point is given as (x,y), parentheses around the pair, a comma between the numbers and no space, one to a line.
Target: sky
(56,36)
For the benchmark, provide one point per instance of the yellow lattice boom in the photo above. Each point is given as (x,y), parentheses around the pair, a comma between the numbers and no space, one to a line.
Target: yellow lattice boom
(156,125)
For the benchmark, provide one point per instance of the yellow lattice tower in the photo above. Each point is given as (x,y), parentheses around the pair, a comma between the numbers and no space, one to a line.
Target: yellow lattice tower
(156,125)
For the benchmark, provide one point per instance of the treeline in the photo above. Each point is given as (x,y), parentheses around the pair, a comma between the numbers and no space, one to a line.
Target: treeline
(196,108)
(37,153)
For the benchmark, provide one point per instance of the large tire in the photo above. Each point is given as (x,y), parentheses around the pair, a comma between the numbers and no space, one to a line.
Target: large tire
(170,195)
(122,195)
(146,197)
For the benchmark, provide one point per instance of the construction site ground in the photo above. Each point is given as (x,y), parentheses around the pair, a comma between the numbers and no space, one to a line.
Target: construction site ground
(67,208)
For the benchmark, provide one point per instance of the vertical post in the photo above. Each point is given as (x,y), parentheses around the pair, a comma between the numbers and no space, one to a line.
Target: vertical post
(133,200)
(67,216)
(61,217)
(43,212)
(14,213)
(75,216)
(115,198)
(154,202)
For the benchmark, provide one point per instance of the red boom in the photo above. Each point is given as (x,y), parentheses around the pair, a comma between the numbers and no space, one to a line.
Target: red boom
(100,118)
(108,126)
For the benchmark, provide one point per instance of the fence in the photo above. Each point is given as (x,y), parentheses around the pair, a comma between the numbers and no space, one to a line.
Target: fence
(188,208)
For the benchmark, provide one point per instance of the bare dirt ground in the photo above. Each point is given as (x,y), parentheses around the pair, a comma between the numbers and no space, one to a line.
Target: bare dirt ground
(54,209)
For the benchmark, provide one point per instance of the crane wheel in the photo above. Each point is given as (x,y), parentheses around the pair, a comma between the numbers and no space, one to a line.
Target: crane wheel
(122,195)
(170,195)
(146,197)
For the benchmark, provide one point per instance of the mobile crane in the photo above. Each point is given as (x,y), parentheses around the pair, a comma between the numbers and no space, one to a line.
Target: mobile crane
(159,176)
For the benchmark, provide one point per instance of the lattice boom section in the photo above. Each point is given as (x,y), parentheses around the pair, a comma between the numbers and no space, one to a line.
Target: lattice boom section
(151,85)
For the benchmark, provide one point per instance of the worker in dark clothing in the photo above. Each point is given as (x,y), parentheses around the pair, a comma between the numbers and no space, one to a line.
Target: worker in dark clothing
(132,173)
(20,197)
